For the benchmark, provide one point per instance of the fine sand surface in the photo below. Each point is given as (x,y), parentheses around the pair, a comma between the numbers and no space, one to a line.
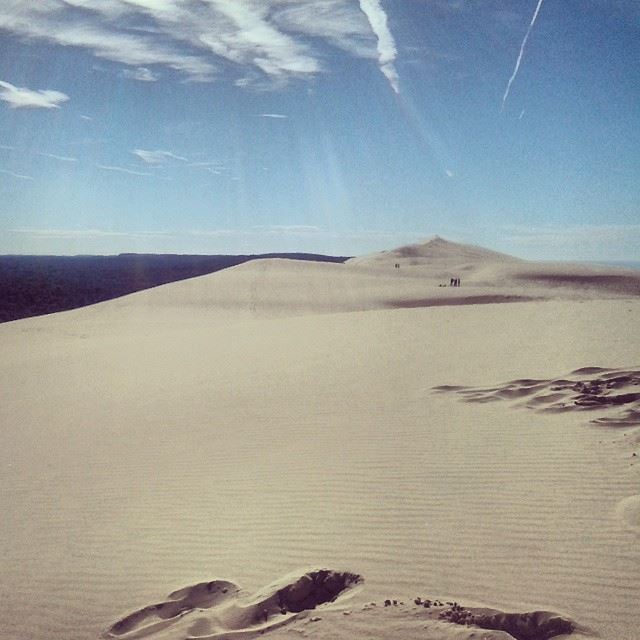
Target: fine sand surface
(191,461)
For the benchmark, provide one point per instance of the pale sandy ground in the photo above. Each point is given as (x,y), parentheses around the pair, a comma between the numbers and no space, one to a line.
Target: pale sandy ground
(280,416)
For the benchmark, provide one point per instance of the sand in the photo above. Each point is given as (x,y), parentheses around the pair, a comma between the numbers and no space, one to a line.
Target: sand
(270,421)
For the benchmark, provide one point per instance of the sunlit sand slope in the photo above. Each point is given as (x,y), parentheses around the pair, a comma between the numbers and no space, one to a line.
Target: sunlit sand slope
(277,417)
(279,287)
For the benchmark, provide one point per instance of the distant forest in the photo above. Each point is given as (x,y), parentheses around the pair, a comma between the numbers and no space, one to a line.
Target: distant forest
(36,285)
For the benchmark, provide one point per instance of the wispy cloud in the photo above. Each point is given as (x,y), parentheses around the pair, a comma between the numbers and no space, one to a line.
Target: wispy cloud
(56,157)
(86,117)
(521,53)
(312,232)
(573,242)
(86,233)
(208,163)
(572,234)
(21,97)
(387,51)
(67,233)
(97,31)
(20,176)
(265,239)
(338,22)
(277,116)
(87,142)
(262,40)
(122,170)
(288,229)
(214,167)
(7,147)
(156,157)
(141,74)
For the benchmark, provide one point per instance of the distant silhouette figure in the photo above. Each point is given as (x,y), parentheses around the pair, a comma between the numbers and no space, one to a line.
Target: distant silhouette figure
(451,282)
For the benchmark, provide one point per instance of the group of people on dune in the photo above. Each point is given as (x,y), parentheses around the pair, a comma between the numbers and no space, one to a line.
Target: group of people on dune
(453,282)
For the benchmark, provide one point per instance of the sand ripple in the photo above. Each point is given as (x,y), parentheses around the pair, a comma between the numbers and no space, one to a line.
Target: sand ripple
(165,455)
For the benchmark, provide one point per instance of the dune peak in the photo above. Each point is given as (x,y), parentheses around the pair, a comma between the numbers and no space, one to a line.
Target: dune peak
(434,249)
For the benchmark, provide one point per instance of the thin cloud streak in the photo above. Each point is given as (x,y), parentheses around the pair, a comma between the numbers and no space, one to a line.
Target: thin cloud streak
(572,235)
(519,60)
(21,97)
(276,116)
(216,168)
(288,229)
(588,242)
(387,51)
(122,170)
(20,176)
(56,157)
(87,233)
(267,239)
(157,157)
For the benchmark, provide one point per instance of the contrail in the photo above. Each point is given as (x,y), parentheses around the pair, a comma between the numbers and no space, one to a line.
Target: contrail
(16,175)
(522,46)
(386,44)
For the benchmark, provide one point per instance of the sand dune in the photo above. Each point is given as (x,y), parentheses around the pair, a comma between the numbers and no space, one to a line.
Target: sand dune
(438,252)
(280,287)
(278,415)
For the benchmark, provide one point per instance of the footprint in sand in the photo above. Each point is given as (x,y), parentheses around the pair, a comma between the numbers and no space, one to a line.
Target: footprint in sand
(629,511)
(217,609)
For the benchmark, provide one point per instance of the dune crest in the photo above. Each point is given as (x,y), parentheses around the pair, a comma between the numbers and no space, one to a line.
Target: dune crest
(435,250)
(435,273)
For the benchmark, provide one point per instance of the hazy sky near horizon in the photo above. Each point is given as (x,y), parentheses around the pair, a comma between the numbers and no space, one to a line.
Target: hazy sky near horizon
(332,126)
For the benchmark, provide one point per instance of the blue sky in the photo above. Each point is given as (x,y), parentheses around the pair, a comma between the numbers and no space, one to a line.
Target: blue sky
(332,126)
